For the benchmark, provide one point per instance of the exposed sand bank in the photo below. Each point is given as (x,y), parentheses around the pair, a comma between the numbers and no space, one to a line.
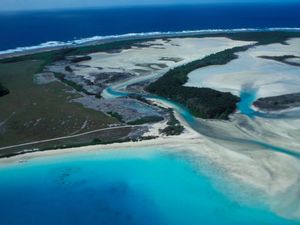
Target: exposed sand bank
(154,56)
(264,76)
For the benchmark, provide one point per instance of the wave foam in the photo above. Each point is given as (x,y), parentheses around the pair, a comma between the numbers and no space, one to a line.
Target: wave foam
(53,44)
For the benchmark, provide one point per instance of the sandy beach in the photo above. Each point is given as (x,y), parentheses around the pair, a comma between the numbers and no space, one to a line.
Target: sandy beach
(271,176)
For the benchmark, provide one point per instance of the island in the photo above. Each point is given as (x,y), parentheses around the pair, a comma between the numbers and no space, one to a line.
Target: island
(227,101)
(120,91)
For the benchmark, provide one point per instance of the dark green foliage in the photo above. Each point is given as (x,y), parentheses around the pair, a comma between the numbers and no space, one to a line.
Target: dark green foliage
(47,57)
(172,130)
(3,90)
(148,119)
(202,102)
(81,58)
(172,120)
(262,37)
(174,127)
(68,69)
(117,116)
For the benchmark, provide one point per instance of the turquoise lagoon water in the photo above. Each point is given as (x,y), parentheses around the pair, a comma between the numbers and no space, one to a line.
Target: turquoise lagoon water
(182,110)
(247,99)
(140,186)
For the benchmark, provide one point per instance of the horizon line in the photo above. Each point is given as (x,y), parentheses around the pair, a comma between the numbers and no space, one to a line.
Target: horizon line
(272,2)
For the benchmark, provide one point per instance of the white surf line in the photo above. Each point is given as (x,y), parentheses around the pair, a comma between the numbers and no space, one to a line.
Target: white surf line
(56,45)
(70,136)
(128,36)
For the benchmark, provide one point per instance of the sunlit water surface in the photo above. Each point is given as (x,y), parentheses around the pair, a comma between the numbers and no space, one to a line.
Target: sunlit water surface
(139,186)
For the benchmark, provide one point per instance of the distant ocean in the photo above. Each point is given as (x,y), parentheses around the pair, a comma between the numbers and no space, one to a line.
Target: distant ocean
(50,28)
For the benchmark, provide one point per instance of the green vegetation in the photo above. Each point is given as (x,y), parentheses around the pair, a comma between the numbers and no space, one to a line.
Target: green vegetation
(202,102)
(174,127)
(81,58)
(3,90)
(68,69)
(117,116)
(33,112)
(148,119)
(45,57)
(262,37)
(119,134)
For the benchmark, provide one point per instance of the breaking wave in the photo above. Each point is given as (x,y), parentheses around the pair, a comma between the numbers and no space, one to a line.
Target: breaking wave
(53,44)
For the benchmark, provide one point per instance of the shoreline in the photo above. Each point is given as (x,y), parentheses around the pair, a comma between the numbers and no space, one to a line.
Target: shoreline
(229,167)
(98,40)
(187,135)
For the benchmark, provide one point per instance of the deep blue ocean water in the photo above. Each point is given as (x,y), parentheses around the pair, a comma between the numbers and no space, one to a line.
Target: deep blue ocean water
(119,187)
(19,29)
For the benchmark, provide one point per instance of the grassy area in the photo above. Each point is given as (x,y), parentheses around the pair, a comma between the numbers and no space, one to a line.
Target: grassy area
(34,112)
(100,137)
(44,57)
